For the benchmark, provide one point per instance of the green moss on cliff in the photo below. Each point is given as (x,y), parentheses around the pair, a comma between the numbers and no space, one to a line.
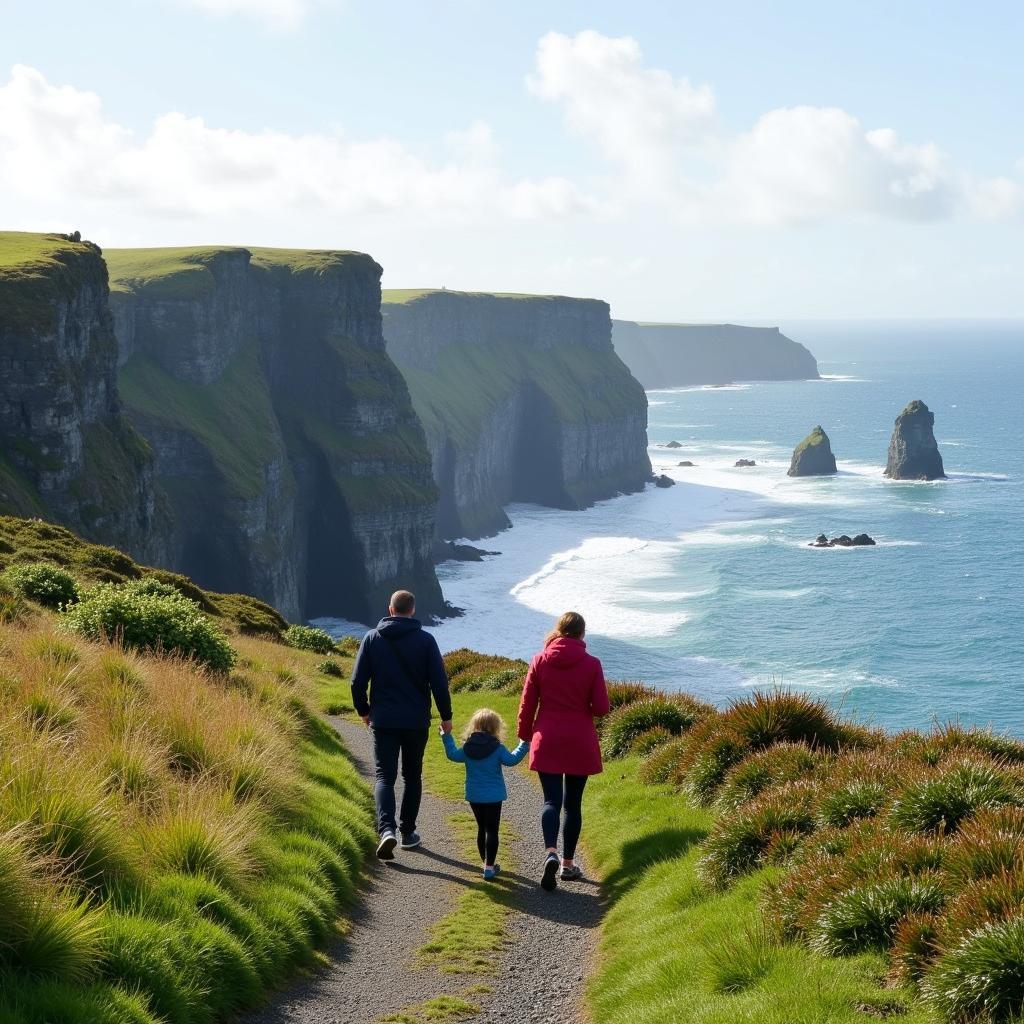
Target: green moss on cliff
(17,495)
(471,383)
(36,272)
(32,540)
(812,440)
(400,296)
(232,418)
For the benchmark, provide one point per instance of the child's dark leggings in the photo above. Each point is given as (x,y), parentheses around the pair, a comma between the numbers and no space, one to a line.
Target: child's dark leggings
(556,796)
(488,818)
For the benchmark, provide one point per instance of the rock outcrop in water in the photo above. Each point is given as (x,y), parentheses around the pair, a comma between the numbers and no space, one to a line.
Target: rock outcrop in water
(677,355)
(522,398)
(67,453)
(813,456)
(913,451)
(284,437)
(862,540)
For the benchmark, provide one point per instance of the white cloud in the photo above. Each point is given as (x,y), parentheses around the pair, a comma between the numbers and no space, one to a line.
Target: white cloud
(640,118)
(275,14)
(58,149)
(795,165)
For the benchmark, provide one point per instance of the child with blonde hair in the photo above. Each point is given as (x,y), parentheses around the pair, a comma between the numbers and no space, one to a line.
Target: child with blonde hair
(484,754)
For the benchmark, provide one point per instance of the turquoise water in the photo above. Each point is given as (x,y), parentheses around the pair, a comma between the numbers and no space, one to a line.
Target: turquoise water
(709,586)
(928,624)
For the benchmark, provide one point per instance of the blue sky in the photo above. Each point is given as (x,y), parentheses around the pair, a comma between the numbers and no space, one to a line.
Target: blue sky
(683,161)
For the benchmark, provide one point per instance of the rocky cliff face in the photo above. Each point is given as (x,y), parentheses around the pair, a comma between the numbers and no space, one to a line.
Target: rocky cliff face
(913,452)
(66,451)
(522,399)
(813,456)
(679,355)
(284,436)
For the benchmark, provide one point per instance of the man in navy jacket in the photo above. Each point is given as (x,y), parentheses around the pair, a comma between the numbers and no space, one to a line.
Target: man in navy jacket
(397,669)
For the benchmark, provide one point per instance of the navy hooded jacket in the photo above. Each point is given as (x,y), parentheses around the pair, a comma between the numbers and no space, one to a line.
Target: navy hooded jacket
(397,669)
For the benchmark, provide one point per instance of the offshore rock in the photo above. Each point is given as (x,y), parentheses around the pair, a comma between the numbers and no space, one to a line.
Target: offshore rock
(744,463)
(661,480)
(913,452)
(813,456)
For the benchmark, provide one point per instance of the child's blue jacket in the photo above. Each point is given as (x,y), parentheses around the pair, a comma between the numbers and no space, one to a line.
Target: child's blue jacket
(483,755)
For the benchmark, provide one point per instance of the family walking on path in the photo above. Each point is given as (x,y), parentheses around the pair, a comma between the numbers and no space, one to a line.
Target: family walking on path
(399,671)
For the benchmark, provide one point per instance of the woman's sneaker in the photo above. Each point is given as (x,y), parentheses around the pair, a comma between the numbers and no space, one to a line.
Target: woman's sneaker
(386,846)
(491,872)
(549,879)
(570,873)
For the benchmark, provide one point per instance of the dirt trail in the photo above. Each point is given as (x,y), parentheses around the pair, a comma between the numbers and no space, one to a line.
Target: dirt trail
(371,974)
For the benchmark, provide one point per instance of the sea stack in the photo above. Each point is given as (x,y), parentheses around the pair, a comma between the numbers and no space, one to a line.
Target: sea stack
(913,453)
(813,456)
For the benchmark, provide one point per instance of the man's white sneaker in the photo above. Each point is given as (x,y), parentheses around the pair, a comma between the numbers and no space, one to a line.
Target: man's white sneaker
(386,846)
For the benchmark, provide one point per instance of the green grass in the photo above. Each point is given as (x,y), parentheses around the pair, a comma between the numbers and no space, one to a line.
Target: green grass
(471,383)
(37,271)
(435,1011)
(400,296)
(188,272)
(702,959)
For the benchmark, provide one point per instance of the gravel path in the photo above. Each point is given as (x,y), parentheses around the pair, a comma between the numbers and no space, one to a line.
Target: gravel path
(552,936)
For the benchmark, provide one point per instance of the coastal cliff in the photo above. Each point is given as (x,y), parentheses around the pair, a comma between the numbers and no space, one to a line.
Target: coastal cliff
(284,439)
(522,398)
(680,355)
(66,450)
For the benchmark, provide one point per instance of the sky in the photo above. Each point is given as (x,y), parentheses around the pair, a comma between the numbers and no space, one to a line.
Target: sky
(731,161)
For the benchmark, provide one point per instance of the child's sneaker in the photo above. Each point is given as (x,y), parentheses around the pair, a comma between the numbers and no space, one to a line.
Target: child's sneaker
(491,872)
(549,879)
(386,846)
(570,873)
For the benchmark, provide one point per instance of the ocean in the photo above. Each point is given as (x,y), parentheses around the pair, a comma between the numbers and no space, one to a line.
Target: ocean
(710,586)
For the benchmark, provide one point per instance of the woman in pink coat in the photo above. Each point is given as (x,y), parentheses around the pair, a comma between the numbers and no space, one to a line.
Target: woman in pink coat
(563,693)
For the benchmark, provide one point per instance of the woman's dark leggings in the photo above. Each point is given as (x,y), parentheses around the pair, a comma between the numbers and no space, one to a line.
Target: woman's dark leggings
(559,794)
(488,820)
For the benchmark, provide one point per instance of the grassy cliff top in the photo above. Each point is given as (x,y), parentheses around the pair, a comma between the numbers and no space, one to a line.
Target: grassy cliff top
(401,296)
(32,540)
(186,271)
(26,252)
(36,270)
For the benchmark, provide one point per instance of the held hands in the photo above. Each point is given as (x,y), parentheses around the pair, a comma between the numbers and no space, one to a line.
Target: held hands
(366,720)
(444,727)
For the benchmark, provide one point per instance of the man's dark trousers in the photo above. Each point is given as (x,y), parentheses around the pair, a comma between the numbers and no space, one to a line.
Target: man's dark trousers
(388,744)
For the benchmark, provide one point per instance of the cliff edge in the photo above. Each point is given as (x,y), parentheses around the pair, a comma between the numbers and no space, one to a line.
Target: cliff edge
(680,355)
(283,434)
(522,398)
(66,450)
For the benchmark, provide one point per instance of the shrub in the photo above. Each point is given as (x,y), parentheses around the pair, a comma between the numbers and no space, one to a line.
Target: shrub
(981,903)
(785,762)
(620,694)
(708,755)
(982,978)
(331,668)
(469,671)
(861,798)
(159,623)
(867,916)
(914,948)
(990,843)
(941,802)
(661,765)
(622,728)
(783,717)
(749,836)
(349,646)
(57,939)
(46,584)
(309,638)
(650,740)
